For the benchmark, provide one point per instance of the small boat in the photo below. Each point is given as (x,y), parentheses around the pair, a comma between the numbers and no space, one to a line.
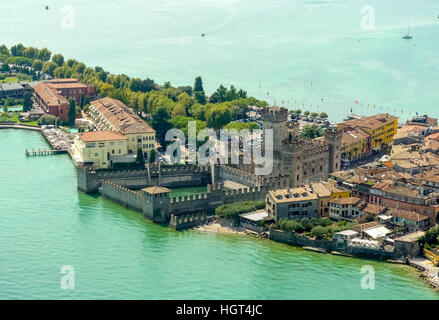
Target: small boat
(408,36)
(203,34)
(47,7)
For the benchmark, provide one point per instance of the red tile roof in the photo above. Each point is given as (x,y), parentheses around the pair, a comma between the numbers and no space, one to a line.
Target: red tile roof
(102,136)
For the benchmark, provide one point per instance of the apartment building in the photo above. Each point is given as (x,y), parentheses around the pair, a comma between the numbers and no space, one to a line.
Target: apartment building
(380,127)
(102,149)
(111,114)
(51,101)
(294,203)
(72,88)
(355,144)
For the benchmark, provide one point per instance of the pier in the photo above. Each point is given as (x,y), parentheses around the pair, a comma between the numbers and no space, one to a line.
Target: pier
(44,152)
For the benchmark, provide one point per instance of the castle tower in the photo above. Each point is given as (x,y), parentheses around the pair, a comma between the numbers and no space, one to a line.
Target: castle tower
(333,138)
(156,203)
(275,118)
(293,130)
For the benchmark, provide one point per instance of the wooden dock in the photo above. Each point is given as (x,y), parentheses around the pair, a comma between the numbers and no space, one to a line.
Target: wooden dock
(44,152)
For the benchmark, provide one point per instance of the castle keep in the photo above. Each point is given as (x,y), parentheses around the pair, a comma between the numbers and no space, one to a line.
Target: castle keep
(303,160)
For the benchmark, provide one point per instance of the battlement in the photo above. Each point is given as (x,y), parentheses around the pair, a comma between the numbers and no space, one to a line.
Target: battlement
(106,185)
(333,133)
(192,197)
(274,114)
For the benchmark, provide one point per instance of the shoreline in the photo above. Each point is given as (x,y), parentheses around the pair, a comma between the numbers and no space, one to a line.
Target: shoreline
(215,227)
(427,272)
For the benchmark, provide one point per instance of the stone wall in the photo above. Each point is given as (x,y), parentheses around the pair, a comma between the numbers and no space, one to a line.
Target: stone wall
(189,220)
(131,199)
(298,240)
(90,181)
(189,204)
(295,239)
(369,253)
(239,176)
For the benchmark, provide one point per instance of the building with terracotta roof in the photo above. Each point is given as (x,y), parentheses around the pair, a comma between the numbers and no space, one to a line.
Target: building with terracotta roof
(72,88)
(355,144)
(327,191)
(410,221)
(344,208)
(101,149)
(112,114)
(51,101)
(293,203)
(381,127)
(434,136)
(423,120)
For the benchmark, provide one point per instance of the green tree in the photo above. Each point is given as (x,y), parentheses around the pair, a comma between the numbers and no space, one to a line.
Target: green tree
(44,54)
(306,113)
(49,68)
(17,50)
(72,111)
(199,93)
(311,131)
(58,59)
(47,119)
(37,65)
(139,158)
(160,123)
(152,156)
(314,114)
(5,68)
(218,116)
(31,53)
(27,102)
(4,50)
(323,115)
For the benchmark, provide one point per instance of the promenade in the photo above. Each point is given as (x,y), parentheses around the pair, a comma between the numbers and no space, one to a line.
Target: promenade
(19,126)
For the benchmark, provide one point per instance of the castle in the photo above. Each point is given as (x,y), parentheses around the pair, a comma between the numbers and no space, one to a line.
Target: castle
(297,161)
(302,160)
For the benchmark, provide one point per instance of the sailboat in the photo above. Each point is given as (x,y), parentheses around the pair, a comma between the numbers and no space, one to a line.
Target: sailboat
(408,36)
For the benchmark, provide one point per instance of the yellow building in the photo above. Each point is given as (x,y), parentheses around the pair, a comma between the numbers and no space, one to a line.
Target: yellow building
(326,192)
(381,128)
(102,149)
(112,114)
(355,144)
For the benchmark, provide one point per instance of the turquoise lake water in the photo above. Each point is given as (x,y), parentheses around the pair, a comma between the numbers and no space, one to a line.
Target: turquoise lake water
(298,51)
(45,223)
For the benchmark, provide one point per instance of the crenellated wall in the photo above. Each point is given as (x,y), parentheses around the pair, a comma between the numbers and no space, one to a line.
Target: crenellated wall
(90,181)
(189,220)
(131,199)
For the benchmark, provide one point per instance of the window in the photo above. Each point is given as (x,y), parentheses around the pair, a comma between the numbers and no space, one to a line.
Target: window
(101,144)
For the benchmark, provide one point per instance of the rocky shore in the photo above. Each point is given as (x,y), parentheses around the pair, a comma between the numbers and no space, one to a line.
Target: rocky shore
(429,272)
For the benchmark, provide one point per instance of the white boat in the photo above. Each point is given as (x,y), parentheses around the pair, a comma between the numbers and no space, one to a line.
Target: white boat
(408,36)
